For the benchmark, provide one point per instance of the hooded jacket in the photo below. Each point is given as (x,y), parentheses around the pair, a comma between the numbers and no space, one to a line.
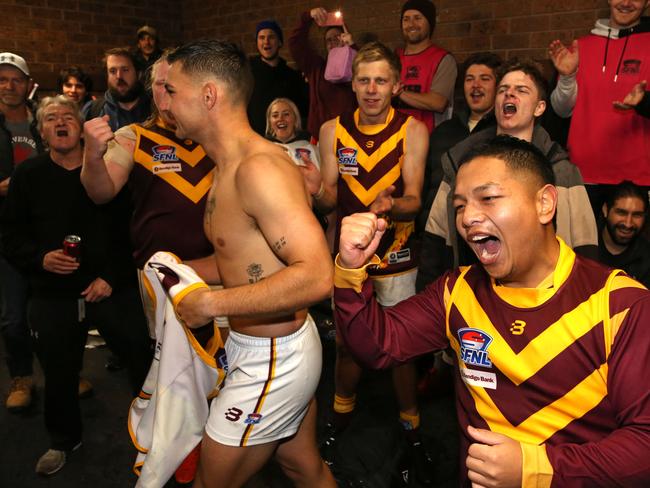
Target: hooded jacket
(606,143)
(119,117)
(442,247)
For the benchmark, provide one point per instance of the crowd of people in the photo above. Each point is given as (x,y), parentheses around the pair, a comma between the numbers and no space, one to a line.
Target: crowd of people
(464,232)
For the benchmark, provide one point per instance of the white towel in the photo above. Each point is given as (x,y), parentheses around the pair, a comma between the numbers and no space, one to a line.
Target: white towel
(166,421)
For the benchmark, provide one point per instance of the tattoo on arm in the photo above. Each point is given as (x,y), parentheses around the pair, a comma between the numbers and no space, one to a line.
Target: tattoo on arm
(279,244)
(255,272)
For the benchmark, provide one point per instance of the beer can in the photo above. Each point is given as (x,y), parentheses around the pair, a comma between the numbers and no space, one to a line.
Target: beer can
(72,246)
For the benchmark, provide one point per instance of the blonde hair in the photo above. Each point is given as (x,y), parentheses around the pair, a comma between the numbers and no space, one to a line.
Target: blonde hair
(376,51)
(297,127)
(60,100)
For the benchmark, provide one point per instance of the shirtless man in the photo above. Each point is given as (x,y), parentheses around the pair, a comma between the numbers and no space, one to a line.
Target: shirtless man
(272,258)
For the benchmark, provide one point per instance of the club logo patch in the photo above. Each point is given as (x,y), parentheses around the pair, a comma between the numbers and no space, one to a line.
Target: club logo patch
(631,66)
(347,156)
(253,418)
(163,153)
(348,161)
(474,345)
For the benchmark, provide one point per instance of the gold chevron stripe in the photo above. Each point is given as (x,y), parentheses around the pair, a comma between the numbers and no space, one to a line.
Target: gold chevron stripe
(191,157)
(368,162)
(547,421)
(543,348)
(368,196)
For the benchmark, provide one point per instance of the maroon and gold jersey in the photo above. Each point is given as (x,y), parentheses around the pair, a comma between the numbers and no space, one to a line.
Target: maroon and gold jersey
(169,182)
(561,368)
(370,160)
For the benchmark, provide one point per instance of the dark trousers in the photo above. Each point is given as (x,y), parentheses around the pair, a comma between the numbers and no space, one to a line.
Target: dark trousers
(59,341)
(15,333)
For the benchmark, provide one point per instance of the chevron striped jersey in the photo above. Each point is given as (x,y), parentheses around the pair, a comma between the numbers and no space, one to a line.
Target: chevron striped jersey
(561,368)
(169,183)
(370,160)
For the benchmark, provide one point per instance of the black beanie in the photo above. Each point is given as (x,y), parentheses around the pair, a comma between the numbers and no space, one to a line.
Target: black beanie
(425,7)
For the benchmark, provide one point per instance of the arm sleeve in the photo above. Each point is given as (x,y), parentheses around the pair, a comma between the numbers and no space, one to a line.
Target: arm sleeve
(563,98)
(301,51)
(445,78)
(621,458)
(381,337)
(584,232)
(18,242)
(643,108)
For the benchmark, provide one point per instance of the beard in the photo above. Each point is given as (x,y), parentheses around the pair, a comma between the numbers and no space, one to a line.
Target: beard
(625,241)
(131,95)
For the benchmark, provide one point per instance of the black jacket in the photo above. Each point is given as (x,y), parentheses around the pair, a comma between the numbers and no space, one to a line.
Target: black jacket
(271,83)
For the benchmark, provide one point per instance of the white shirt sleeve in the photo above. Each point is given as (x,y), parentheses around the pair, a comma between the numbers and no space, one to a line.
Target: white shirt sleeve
(563,98)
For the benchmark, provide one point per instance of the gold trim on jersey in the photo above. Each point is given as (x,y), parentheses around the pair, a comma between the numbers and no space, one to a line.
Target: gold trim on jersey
(534,297)
(369,161)
(373,129)
(194,192)
(519,367)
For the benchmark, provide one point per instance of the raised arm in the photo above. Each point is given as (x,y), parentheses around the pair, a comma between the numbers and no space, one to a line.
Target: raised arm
(381,337)
(108,159)
(301,51)
(566,60)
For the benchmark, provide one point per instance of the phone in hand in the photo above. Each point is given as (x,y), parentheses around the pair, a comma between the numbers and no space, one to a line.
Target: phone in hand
(334,18)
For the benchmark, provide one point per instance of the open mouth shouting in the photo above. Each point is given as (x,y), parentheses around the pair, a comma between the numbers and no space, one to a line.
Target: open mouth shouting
(509,108)
(62,132)
(485,246)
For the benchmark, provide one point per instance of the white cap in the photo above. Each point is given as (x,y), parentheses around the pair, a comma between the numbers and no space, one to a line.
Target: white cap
(14,60)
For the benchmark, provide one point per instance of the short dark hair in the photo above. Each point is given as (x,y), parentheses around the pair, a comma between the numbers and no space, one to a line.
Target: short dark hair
(75,72)
(529,68)
(517,154)
(224,60)
(376,51)
(125,52)
(491,60)
(624,189)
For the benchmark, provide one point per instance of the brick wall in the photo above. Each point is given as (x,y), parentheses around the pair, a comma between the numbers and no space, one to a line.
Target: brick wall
(51,34)
(508,27)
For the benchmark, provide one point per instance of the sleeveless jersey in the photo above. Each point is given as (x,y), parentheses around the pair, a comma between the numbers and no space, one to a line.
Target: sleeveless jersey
(369,163)
(169,183)
(417,75)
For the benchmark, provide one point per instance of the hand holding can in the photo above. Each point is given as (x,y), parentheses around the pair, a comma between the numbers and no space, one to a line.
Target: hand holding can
(72,246)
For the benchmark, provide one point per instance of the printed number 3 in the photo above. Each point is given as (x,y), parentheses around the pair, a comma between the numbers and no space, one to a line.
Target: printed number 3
(233,414)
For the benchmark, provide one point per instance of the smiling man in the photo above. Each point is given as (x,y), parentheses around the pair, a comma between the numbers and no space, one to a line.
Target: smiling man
(372,160)
(428,72)
(550,348)
(520,101)
(273,77)
(621,244)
